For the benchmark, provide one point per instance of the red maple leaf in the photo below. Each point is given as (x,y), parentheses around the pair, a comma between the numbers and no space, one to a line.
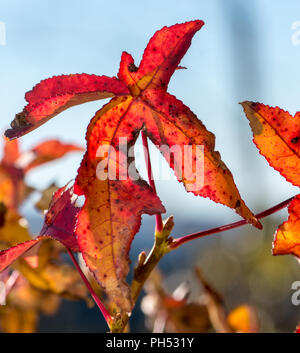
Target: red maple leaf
(111,215)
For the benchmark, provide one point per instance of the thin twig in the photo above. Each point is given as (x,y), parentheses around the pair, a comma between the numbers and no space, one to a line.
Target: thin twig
(102,308)
(163,244)
(182,240)
(158,218)
(144,269)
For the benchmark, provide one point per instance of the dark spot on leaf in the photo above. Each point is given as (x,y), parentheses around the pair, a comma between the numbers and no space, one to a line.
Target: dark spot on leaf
(132,68)
(295,140)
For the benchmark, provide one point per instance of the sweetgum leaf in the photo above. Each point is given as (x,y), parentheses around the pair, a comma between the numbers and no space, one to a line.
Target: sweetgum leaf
(59,224)
(16,320)
(12,187)
(48,151)
(15,164)
(111,215)
(287,236)
(8,256)
(114,202)
(53,95)
(11,152)
(161,56)
(13,230)
(169,122)
(60,219)
(23,305)
(276,134)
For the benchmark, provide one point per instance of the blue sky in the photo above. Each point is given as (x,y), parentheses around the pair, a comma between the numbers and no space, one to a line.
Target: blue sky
(244,52)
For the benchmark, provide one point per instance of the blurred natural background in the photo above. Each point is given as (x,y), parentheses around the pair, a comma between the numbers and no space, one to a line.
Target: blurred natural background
(244,52)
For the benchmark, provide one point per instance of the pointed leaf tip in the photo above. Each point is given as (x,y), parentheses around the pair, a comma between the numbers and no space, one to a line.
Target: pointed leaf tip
(61,218)
(287,236)
(276,135)
(54,95)
(161,57)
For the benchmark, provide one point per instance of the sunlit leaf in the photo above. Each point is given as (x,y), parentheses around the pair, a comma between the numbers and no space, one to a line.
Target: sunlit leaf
(61,217)
(8,256)
(287,236)
(116,196)
(14,320)
(59,223)
(11,152)
(276,135)
(14,228)
(48,151)
(24,303)
(53,95)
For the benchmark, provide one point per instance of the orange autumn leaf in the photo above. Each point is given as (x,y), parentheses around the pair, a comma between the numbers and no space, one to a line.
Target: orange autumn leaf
(54,276)
(13,229)
(11,151)
(49,151)
(39,292)
(244,319)
(24,303)
(15,320)
(287,236)
(15,164)
(12,187)
(276,135)
(170,123)
(107,223)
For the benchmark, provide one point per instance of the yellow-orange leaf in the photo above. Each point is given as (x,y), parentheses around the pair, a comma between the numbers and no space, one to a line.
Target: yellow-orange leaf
(16,320)
(277,136)
(169,123)
(48,151)
(111,215)
(287,237)
(244,319)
